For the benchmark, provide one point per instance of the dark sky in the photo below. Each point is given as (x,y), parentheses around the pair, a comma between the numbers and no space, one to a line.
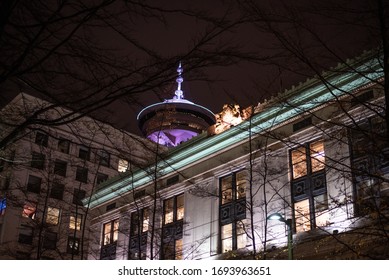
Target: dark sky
(280,44)
(342,27)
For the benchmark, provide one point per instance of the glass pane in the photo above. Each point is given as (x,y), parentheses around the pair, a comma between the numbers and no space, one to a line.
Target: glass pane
(317,156)
(240,235)
(240,185)
(179,249)
(180,207)
(52,216)
(29,210)
(321,210)
(168,210)
(226,189)
(226,231)
(115,230)
(226,245)
(107,233)
(72,224)
(123,165)
(145,226)
(299,162)
(301,214)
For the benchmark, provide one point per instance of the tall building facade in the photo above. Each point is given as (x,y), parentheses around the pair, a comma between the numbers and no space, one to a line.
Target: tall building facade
(45,172)
(315,156)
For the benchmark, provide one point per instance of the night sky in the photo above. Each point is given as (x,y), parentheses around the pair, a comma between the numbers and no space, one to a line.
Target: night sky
(276,45)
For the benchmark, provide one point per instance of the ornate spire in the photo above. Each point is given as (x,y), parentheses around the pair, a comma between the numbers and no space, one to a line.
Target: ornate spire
(179,93)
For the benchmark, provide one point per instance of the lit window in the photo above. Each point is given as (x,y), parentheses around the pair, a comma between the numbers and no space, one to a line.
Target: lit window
(173,227)
(174,209)
(172,250)
(226,237)
(123,165)
(29,210)
(309,189)
(52,215)
(232,211)
(110,232)
(73,224)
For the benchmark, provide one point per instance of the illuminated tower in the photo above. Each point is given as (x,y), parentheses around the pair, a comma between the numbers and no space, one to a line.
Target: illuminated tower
(175,120)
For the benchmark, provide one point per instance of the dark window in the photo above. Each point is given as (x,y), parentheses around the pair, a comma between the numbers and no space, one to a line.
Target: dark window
(309,188)
(110,207)
(139,194)
(78,196)
(82,174)
(362,98)
(100,177)
(73,245)
(138,234)
(63,145)
(38,160)
(57,190)
(26,234)
(302,124)
(103,157)
(50,240)
(173,210)
(60,167)
(41,139)
(232,211)
(172,180)
(369,150)
(84,152)
(34,184)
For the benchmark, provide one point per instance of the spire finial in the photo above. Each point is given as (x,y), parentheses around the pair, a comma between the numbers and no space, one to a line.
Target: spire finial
(178,93)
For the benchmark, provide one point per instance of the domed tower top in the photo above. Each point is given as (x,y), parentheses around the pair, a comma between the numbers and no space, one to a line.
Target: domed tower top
(175,120)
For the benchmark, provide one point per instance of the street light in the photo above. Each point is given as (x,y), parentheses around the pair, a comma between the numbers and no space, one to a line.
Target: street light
(288,222)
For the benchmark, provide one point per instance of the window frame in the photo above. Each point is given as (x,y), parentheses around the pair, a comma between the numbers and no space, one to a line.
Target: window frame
(84,152)
(308,187)
(82,174)
(34,187)
(63,145)
(60,167)
(75,221)
(232,208)
(41,139)
(112,234)
(38,160)
(53,216)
